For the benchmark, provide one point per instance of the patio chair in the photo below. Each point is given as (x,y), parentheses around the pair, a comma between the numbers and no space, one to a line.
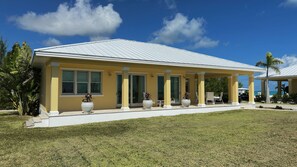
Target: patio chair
(210,97)
(220,100)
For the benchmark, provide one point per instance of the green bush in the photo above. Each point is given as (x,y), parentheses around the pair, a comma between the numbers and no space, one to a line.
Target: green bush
(293,97)
(260,98)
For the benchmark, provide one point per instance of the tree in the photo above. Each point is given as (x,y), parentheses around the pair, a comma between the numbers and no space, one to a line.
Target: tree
(216,85)
(3,48)
(240,85)
(18,79)
(270,63)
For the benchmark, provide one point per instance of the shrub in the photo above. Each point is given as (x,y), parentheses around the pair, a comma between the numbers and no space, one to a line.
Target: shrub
(260,98)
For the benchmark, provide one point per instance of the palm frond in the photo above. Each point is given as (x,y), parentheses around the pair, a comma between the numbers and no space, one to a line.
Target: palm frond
(275,68)
(277,61)
(261,64)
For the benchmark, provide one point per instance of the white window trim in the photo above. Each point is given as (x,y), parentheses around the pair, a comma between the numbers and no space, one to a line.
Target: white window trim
(75,94)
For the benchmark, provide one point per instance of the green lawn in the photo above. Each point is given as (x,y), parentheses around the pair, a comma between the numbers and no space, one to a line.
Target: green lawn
(232,138)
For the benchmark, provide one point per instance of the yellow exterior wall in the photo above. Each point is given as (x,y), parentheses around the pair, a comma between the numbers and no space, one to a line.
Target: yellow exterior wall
(109,79)
(151,86)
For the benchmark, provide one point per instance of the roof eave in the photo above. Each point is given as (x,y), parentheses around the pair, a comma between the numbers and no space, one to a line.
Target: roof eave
(90,57)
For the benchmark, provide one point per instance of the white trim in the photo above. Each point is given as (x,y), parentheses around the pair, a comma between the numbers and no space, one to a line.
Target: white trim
(54,113)
(201,105)
(252,103)
(136,61)
(235,104)
(125,108)
(167,107)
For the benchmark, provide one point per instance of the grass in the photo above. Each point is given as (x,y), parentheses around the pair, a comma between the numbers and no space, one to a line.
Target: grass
(232,138)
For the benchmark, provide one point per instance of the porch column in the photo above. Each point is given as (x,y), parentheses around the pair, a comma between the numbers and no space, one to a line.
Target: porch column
(290,86)
(251,89)
(279,88)
(125,89)
(235,89)
(263,87)
(229,89)
(201,89)
(167,89)
(54,92)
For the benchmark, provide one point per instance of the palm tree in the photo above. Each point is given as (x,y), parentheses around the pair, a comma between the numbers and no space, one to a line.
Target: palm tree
(271,63)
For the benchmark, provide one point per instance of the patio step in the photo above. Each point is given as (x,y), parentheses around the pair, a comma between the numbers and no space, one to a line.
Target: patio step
(37,119)
(30,123)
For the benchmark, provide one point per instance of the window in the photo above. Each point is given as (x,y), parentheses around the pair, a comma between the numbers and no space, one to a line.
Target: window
(81,82)
(68,82)
(95,82)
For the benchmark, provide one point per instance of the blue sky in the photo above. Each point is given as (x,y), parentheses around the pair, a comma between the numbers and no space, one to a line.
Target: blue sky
(233,29)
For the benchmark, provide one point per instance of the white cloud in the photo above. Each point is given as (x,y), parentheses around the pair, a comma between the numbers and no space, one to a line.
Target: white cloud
(51,42)
(180,29)
(80,19)
(289,3)
(288,60)
(171,4)
(206,43)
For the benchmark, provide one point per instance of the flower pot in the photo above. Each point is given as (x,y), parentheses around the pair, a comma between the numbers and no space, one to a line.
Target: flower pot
(87,107)
(147,104)
(186,102)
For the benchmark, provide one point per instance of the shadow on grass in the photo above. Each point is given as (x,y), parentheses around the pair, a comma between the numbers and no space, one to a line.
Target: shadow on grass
(7,113)
(38,134)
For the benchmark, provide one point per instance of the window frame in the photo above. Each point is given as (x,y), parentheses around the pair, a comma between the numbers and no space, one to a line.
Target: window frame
(74,78)
(75,94)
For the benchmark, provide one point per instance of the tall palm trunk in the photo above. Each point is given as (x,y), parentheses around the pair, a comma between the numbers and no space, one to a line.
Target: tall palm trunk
(267,87)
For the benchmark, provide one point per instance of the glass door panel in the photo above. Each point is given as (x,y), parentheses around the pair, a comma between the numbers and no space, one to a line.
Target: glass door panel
(119,89)
(175,89)
(138,87)
(160,87)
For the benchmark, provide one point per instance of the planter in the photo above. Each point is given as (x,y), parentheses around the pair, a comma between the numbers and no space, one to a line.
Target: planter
(186,102)
(87,107)
(147,104)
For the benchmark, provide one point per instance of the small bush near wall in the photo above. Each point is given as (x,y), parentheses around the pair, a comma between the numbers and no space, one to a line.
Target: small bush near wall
(260,98)
(293,98)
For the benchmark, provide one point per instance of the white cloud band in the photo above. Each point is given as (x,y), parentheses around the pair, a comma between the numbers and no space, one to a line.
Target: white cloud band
(80,19)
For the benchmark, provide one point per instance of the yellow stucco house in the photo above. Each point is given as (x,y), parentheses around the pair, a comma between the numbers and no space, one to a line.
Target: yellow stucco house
(117,72)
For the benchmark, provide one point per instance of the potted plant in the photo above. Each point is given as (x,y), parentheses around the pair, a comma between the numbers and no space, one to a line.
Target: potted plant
(147,102)
(87,104)
(186,100)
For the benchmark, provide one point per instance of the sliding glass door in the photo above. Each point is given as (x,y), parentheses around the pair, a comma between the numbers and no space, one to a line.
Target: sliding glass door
(175,89)
(136,89)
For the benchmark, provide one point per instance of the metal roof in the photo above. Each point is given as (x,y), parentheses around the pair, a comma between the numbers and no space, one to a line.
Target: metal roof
(121,50)
(287,72)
